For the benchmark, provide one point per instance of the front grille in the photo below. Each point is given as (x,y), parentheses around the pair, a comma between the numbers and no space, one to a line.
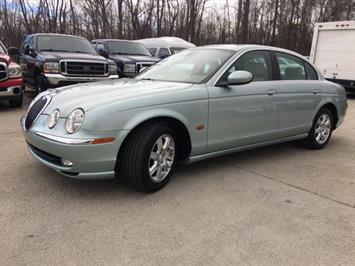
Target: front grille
(45,155)
(35,110)
(142,65)
(83,68)
(3,89)
(3,71)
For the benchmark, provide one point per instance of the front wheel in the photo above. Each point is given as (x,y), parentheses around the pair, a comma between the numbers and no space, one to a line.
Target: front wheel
(17,103)
(321,131)
(149,157)
(41,84)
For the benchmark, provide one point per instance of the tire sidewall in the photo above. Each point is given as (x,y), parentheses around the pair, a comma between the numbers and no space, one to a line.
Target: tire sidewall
(147,183)
(311,135)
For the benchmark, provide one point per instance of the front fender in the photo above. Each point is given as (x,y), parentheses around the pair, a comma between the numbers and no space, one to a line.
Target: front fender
(191,114)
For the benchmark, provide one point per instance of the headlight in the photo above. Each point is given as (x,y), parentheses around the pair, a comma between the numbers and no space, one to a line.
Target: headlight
(51,67)
(14,71)
(112,69)
(129,68)
(53,118)
(74,121)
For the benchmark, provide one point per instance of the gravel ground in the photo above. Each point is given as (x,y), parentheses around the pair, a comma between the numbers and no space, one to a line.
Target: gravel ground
(279,205)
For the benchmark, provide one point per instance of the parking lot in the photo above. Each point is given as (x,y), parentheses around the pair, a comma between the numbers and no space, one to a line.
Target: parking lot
(277,205)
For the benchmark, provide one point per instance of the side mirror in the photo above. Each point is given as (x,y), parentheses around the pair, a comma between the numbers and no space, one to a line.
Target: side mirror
(103,53)
(13,51)
(30,51)
(239,78)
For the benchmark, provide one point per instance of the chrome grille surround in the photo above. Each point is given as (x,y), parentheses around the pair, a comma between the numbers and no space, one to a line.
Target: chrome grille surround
(36,110)
(3,71)
(84,68)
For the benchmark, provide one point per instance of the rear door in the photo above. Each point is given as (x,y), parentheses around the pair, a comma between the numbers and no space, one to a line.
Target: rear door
(299,94)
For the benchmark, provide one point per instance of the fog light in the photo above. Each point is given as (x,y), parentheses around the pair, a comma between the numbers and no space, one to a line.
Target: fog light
(66,162)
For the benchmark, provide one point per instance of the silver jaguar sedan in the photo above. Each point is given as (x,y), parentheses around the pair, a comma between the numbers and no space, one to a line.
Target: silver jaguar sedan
(200,103)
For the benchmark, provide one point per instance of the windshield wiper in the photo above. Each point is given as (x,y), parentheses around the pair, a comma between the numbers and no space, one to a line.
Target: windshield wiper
(150,79)
(80,52)
(52,50)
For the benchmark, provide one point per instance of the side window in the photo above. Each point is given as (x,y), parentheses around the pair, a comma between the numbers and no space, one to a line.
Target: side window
(31,42)
(256,62)
(152,51)
(100,46)
(292,67)
(311,73)
(163,53)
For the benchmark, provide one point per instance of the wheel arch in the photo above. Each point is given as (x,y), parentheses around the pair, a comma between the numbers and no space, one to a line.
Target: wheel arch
(332,107)
(178,123)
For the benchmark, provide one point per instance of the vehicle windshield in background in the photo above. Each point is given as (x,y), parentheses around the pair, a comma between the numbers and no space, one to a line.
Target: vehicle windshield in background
(190,66)
(64,44)
(127,48)
(2,51)
(175,50)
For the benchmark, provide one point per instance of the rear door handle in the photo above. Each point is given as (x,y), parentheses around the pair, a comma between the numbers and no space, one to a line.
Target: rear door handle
(315,91)
(271,92)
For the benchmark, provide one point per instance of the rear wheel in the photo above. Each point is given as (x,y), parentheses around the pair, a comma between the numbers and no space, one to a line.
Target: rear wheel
(321,131)
(149,157)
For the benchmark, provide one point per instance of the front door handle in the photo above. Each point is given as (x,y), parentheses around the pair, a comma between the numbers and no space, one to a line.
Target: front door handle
(271,92)
(315,91)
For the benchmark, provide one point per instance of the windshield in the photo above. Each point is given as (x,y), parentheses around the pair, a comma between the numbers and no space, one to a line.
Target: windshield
(188,66)
(64,44)
(127,48)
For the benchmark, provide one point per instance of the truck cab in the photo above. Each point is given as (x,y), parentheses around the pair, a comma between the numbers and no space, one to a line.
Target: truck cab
(11,82)
(55,60)
(130,57)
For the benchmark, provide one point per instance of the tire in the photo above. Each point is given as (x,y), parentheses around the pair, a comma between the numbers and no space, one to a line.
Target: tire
(17,103)
(321,131)
(141,153)
(41,84)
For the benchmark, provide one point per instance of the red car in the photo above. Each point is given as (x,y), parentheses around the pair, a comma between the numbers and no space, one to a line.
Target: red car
(11,82)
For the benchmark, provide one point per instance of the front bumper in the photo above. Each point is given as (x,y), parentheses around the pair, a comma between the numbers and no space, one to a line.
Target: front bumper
(58,80)
(11,89)
(90,161)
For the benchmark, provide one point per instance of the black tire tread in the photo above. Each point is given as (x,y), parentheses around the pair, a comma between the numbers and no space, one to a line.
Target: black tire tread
(131,166)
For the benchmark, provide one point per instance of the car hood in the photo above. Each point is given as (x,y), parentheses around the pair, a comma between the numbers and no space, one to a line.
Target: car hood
(59,56)
(124,94)
(5,58)
(133,58)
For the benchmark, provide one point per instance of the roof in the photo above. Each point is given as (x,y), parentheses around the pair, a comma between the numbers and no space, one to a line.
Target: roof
(110,40)
(167,41)
(55,34)
(234,47)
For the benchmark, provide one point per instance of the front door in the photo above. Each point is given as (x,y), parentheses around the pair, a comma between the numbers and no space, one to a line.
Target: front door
(241,115)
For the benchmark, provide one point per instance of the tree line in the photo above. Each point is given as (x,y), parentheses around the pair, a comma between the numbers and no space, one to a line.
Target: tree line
(282,23)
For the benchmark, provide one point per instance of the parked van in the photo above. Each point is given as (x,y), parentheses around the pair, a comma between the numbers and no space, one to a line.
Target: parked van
(333,52)
(165,46)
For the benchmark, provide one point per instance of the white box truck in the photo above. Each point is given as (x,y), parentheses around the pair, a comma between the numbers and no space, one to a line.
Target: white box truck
(333,52)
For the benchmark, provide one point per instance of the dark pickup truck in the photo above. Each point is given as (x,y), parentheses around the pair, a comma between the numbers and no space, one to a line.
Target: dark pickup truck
(130,57)
(54,60)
